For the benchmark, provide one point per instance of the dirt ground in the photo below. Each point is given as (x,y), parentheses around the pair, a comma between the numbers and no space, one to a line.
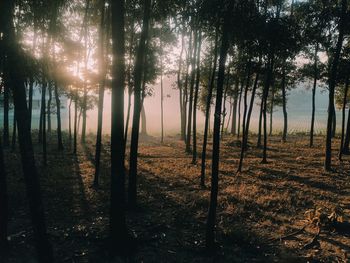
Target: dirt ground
(268,213)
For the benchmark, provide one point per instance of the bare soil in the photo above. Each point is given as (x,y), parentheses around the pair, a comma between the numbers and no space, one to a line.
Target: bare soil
(267,213)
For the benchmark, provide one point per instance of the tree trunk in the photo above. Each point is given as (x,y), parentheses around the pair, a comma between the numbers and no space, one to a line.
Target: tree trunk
(14,130)
(31,78)
(271,109)
(314,96)
(284,101)
(334,123)
(43,246)
(118,226)
(49,102)
(59,125)
(143,120)
(139,68)
(234,109)
(345,102)
(239,110)
(332,84)
(347,136)
(210,234)
(265,96)
(195,101)
(44,141)
(75,135)
(260,121)
(70,121)
(40,133)
(224,111)
(6,128)
(179,85)
(84,106)
(192,51)
(207,109)
(161,104)
(131,45)
(101,93)
(244,143)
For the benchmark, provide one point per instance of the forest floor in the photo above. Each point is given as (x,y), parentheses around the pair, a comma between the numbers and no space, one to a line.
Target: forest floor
(265,214)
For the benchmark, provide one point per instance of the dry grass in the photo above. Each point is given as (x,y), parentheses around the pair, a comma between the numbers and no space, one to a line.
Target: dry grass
(255,208)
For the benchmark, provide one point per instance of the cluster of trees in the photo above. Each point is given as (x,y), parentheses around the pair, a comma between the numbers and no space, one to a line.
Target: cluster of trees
(245,52)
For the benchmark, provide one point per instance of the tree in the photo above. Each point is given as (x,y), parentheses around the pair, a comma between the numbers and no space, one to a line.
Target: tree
(118,228)
(210,234)
(332,84)
(15,71)
(102,71)
(132,191)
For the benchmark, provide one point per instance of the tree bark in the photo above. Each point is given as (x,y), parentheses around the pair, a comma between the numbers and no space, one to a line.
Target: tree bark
(6,128)
(210,230)
(192,51)
(118,228)
(284,102)
(14,131)
(332,83)
(207,109)
(143,120)
(139,68)
(101,93)
(195,100)
(234,109)
(43,246)
(84,106)
(345,102)
(49,102)
(260,121)
(59,124)
(314,96)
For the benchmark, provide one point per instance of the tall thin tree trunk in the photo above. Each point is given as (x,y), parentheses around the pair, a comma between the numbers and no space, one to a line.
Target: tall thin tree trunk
(6,128)
(345,102)
(75,135)
(332,84)
(131,45)
(210,230)
(70,121)
(284,104)
(143,120)
(84,106)
(347,136)
(49,102)
(43,246)
(101,93)
(224,111)
(192,51)
(260,121)
(195,100)
(44,141)
(180,87)
(234,109)
(207,108)
(31,78)
(139,68)
(314,96)
(247,114)
(265,96)
(271,109)
(161,103)
(14,130)
(59,124)
(118,226)
(239,110)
